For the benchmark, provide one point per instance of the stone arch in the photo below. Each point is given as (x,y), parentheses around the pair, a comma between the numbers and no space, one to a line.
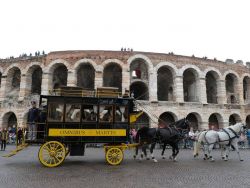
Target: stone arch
(248,121)
(234,118)
(15,65)
(13,82)
(85,76)
(58,76)
(231,84)
(173,68)
(167,118)
(198,73)
(54,64)
(112,75)
(165,83)
(33,78)
(84,61)
(246,88)
(113,61)
(143,57)
(139,70)
(139,90)
(142,121)
(212,86)
(195,120)
(9,119)
(216,120)
(191,85)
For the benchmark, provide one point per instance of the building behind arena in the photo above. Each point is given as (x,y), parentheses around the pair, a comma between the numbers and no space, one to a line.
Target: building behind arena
(207,92)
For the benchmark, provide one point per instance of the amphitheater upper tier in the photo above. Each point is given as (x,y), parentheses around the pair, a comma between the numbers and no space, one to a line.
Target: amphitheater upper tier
(207,92)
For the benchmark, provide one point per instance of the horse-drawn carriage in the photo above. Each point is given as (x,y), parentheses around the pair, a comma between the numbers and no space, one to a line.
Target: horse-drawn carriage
(74,120)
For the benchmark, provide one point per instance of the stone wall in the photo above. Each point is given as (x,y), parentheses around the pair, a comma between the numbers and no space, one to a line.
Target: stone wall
(138,70)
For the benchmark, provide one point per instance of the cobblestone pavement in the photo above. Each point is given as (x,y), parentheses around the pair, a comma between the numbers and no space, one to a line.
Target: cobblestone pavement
(24,170)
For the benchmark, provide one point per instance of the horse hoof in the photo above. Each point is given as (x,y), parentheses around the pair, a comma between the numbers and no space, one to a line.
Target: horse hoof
(148,158)
(211,160)
(155,160)
(134,157)
(163,158)
(204,158)
(223,158)
(241,160)
(175,160)
(170,157)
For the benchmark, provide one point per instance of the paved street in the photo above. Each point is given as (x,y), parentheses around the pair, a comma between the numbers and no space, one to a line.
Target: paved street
(24,170)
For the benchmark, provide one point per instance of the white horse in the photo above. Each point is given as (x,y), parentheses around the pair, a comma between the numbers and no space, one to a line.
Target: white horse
(225,138)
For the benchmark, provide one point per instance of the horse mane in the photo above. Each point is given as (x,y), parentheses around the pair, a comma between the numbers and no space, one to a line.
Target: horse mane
(177,123)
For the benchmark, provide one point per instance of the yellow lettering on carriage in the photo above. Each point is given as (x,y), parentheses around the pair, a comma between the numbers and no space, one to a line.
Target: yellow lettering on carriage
(87,132)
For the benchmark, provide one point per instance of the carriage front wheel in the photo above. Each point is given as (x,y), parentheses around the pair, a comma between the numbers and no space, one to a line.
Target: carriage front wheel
(114,156)
(52,153)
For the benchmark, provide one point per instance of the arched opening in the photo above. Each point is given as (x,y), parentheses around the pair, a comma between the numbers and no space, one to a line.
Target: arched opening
(248,122)
(10,120)
(142,121)
(246,89)
(138,70)
(215,121)
(193,119)
(231,88)
(36,81)
(112,76)
(13,82)
(139,90)
(190,85)
(60,76)
(233,119)
(211,87)
(165,84)
(86,76)
(167,118)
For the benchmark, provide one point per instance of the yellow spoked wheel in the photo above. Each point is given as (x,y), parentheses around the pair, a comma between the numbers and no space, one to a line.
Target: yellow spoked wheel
(52,154)
(114,156)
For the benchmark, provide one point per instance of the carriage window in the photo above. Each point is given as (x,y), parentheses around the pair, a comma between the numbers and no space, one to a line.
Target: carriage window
(89,113)
(106,113)
(121,114)
(73,113)
(55,112)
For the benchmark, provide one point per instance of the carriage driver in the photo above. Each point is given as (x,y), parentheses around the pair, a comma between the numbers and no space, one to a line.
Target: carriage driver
(33,116)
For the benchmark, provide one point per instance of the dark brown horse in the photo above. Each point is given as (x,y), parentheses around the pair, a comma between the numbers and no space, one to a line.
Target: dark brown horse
(170,135)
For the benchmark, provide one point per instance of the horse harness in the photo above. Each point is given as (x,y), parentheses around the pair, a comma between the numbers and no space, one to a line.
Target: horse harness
(224,130)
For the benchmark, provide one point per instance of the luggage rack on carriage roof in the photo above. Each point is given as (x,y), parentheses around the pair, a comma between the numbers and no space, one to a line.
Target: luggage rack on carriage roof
(81,92)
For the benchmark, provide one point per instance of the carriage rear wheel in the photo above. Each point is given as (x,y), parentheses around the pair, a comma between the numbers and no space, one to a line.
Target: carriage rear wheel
(114,156)
(52,154)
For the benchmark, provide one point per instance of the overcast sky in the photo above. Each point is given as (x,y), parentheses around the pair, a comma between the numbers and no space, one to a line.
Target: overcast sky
(212,28)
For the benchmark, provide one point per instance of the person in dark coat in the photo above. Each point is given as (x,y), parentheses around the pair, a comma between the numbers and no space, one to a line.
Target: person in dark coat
(19,135)
(33,116)
(4,138)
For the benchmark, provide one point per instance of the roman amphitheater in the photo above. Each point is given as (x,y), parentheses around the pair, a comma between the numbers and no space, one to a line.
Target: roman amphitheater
(206,91)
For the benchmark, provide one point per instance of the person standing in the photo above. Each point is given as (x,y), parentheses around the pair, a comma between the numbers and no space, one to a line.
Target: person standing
(191,138)
(4,138)
(33,116)
(19,136)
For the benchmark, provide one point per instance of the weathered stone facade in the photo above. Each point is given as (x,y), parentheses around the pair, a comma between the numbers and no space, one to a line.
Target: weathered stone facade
(172,86)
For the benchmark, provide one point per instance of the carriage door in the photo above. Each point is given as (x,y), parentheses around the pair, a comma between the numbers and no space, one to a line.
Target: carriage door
(72,117)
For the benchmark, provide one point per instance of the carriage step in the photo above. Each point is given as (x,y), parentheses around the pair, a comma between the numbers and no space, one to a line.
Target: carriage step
(14,152)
